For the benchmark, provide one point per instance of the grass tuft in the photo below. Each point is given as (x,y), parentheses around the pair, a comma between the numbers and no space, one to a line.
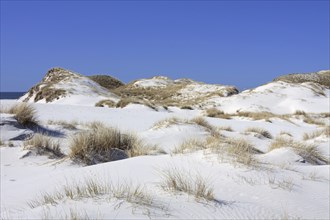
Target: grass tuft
(260,131)
(317,133)
(25,114)
(308,152)
(183,181)
(43,145)
(216,113)
(103,144)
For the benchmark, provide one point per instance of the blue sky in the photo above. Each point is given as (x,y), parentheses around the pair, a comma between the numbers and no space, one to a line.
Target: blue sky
(241,43)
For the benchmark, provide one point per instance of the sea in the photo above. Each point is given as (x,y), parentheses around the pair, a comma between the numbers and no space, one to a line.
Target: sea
(11,95)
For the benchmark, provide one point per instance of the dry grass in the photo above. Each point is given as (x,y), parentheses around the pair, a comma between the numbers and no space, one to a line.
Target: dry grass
(126,101)
(44,145)
(199,121)
(300,112)
(190,145)
(103,144)
(91,188)
(65,124)
(187,107)
(325,114)
(216,113)
(165,123)
(227,148)
(286,133)
(241,151)
(25,114)
(225,128)
(107,102)
(308,152)
(260,131)
(106,81)
(317,133)
(310,120)
(183,181)
(258,115)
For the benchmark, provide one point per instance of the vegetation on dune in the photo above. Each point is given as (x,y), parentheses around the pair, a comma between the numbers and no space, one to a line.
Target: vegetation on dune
(309,152)
(25,114)
(44,145)
(103,144)
(322,78)
(106,81)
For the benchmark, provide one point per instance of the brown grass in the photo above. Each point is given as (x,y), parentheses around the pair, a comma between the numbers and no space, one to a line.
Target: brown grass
(225,128)
(190,145)
(126,101)
(308,152)
(25,114)
(44,145)
(91,188)
(200,121)
(216,113)
(317,133)
(103,144)
(260,131)
(241,151)
(235,149)
(107,102)
(183,181)
(310,120)
(65,124)
(106,81)
(300,112)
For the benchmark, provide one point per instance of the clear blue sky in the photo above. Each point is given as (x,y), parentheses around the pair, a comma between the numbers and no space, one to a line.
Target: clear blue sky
(241,43)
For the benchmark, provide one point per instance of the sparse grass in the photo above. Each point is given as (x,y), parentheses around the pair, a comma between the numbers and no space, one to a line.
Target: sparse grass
(227,148)
(258,115)
(43,145)
(310,120)
(126,101)
(25,114)
(325,114)
(216,113)
(317,133)
(200,121)
(308,152)
(300,112)
(260,131)
(65,124)
(225,128)
(184,181)
(103,144)
(240,150)
(187,107)
(190,145)
(321,78)
(91,188)
(286,133)
(107,102)
(165,123)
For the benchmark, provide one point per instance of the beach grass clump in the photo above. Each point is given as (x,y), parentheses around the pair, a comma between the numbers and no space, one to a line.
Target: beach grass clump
(317,133)
(176,180)
(216,113)
(103,144)
(309,152)
(260,131)
(44,145)
(25,114)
